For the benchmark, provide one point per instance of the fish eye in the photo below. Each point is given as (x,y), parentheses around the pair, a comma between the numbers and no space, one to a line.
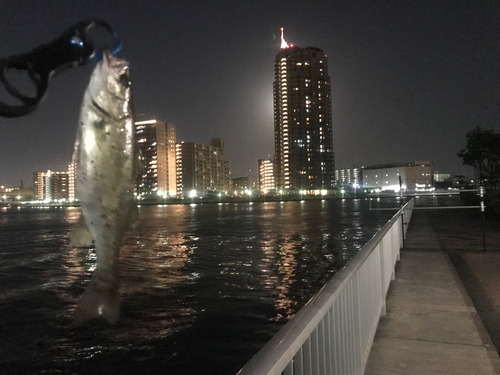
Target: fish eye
(124,80)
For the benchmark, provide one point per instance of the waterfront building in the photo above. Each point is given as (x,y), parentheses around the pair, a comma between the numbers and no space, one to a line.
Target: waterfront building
(349,176)
(303,135)
(415,176)
(157,142)
(51,185)
(441,177)
(16,194)
(202,169)
(266,176)
(241,185)
(447,181)
(71,181)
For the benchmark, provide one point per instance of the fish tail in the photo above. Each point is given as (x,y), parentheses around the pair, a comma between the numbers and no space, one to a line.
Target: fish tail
(97,303)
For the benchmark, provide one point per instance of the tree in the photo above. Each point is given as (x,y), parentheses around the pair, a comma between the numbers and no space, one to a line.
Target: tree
(482,152)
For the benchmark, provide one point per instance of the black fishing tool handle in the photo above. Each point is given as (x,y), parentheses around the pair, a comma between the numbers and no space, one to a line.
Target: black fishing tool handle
(71,49)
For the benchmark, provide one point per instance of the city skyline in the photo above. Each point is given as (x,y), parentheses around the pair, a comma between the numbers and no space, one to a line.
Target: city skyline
(409,79)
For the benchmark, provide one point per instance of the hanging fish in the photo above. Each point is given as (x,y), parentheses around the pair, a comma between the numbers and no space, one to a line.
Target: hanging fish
(107,163)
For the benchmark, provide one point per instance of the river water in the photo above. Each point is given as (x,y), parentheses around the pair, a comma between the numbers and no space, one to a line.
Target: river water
(203,286)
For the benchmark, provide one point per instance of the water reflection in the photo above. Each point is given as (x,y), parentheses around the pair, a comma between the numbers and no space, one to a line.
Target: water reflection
(291,243)
(156,251)
(305,245)
(202,286)
(280,249)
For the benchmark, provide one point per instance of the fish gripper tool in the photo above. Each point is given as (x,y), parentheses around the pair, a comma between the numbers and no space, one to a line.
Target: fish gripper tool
(72,49)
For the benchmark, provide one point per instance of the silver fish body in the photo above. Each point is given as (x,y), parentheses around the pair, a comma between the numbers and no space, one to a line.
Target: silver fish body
(107,162)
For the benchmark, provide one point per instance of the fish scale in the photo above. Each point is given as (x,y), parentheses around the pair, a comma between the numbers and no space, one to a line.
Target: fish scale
(107,164)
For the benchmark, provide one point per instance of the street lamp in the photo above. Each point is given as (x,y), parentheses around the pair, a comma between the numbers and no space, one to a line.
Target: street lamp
(192,194)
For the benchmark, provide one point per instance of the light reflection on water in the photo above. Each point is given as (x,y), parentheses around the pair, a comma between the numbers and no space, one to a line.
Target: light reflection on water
(202,286)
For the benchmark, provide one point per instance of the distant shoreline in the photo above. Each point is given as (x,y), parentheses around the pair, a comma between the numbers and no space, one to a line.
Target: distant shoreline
(247,199)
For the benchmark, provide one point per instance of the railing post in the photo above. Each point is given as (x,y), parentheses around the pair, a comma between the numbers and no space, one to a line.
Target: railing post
(397,240)
(393,257)
(298,363)
(380,247)
(307,357)
(358,326)
(402,228)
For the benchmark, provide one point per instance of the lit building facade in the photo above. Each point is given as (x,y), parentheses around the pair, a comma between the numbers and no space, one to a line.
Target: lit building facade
(415,176)
(304,157)
(71,181)
(157,141)
(266,176)
(202,169)
(51,185)
(441,177)
(349,176)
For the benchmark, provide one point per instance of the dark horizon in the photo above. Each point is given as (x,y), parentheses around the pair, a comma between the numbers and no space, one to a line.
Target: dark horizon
(409,79)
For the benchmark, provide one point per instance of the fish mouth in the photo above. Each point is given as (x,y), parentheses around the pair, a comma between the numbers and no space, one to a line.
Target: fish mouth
(114,63)
(119,68)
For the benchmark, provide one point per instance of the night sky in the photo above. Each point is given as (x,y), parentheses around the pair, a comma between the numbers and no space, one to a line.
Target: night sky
(409,78)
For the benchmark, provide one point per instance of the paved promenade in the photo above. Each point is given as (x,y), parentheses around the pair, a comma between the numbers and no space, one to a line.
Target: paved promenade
(432,326)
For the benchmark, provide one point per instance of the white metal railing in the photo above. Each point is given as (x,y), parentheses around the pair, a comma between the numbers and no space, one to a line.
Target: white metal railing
(333,333)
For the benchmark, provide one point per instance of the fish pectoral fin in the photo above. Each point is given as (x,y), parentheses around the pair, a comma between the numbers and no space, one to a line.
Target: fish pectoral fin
(134,215)
(80,236)
(97,303)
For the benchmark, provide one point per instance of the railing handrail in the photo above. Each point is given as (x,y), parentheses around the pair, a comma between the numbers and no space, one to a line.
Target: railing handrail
(280,350)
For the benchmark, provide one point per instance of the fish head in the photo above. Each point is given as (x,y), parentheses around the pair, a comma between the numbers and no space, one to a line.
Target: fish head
(109,85)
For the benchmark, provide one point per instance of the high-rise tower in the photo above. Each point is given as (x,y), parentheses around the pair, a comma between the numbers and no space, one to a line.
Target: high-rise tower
(157,144)
(304,157)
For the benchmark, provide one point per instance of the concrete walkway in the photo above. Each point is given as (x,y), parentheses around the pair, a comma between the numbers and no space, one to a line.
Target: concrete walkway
(431,326)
